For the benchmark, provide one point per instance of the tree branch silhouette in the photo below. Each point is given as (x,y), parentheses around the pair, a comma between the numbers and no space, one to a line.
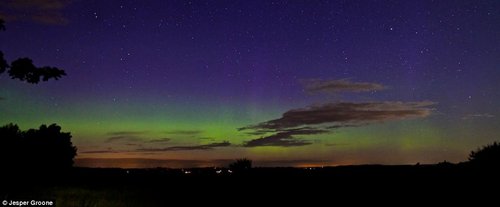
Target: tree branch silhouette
(24,70)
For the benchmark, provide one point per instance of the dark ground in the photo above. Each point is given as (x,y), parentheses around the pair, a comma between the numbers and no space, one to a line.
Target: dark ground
(162,187)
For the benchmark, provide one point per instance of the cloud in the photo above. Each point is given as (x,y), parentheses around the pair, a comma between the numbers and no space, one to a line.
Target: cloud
(184,148)
(126,133)
(98,151)
(257,131)
(478,116)
(184,132)
(335,144)
(41,11)
(132,136)
(207,138)
(285,138)
(133,144)
(349,113)
(160,140)
(324,118)
(339,86)
(173,163)
(149,163)
(123,139)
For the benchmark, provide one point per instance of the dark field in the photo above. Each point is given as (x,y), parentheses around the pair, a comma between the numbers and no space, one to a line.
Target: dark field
(161,187)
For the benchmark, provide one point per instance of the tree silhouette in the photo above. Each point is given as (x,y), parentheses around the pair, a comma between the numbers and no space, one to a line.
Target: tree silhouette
(487,156)
(241,165)
(24,70)
(45,149)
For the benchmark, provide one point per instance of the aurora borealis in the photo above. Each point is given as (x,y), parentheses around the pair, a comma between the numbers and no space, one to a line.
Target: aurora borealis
(284,83)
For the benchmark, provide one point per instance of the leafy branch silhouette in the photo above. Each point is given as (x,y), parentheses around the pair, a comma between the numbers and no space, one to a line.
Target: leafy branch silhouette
(24,70)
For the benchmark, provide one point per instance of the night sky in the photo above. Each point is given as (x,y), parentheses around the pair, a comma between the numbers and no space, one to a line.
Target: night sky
(284,83)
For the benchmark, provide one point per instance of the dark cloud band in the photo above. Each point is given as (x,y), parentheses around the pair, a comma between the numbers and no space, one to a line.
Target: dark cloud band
(339,86)
(285,138)
(324,118)
(41,11)
(184,148)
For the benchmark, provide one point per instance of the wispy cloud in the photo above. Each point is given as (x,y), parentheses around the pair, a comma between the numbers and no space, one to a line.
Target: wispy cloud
(98,151)
(160,140)
(125,136)
(123,139)
(171,163)
(183,148)
(323,118)
(285,138)
(478,116)
(339,86)
(126,133)
(133,144)
(184,132)
(207,138)
(41,11)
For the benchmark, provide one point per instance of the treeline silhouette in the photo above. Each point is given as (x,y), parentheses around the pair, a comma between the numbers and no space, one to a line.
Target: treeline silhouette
(42,150)
(487,157)
(41,159)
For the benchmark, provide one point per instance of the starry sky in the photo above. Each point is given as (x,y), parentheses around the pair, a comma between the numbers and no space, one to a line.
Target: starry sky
(284,83)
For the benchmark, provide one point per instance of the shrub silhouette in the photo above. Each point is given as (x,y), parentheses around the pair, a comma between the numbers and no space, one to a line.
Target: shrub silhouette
(241,165)
(24,70)
(487,156)
(45,149)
